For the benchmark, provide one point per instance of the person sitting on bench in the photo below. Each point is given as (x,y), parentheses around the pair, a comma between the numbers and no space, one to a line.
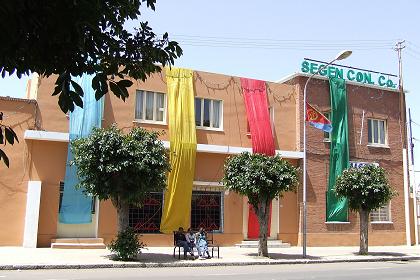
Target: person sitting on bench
(190,239)
(181,241)
(202,244)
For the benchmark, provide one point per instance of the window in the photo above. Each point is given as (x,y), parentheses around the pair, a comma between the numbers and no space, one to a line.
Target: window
(327,135)
(206,211)
(376,132)
(150,106)
(208,113)
(146,219)
(381,214)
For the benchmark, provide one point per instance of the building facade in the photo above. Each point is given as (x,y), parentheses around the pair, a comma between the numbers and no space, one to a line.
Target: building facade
(32,187)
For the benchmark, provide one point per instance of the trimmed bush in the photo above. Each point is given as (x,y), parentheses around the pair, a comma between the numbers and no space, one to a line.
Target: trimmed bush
(126,246)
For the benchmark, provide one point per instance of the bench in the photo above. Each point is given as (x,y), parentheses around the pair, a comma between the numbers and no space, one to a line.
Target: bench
(176,246)
(210,245)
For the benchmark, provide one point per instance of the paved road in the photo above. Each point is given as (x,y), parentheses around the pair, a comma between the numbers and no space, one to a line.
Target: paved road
(342,271)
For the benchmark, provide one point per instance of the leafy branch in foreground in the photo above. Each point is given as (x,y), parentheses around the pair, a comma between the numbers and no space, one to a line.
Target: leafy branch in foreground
(70,38)
(7,135)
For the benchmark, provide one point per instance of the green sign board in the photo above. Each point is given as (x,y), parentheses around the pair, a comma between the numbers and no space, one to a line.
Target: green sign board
(360,76)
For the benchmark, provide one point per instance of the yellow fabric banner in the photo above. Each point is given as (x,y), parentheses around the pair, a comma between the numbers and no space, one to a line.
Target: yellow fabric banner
(182,136)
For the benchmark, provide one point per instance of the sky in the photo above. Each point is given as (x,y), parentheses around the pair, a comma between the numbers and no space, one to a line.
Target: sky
(268,40)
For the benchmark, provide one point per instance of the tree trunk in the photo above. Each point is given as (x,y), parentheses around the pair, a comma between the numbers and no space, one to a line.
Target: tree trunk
(364,226)
(122,212)
(262,214)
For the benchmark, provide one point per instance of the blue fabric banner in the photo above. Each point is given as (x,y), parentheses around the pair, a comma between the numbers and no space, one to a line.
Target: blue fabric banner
(75,205)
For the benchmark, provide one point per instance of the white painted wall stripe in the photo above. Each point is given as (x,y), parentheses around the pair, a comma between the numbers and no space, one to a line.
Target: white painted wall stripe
(46,136)
(33,201)
(204,148)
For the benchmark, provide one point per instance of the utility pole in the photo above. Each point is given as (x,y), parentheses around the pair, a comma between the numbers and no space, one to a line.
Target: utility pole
(399,46)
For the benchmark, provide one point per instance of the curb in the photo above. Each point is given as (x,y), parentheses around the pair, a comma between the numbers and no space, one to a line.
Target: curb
(197,264)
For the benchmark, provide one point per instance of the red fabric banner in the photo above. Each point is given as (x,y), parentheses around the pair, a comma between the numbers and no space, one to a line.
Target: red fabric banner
(255,96)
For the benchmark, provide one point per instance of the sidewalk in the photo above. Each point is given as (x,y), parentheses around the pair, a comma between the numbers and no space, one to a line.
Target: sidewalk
(47,258)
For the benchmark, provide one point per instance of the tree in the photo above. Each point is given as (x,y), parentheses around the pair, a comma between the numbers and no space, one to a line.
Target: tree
(123,168)
(7,135)
(261,178)
(366,188)
(70,38)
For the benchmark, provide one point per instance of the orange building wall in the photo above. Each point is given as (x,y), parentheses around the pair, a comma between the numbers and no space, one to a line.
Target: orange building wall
(107,226)
(20,115)
(48,165)
(50,115)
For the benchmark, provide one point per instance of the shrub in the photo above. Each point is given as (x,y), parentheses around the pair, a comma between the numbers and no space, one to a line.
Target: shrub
(127,245)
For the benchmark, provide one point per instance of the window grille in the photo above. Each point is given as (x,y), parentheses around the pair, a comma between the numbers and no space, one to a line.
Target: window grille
(381,214)
(146,219)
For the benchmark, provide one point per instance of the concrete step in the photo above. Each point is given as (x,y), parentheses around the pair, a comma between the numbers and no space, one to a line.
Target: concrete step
(78,240)
(78,243)
(77,246)
(270,244)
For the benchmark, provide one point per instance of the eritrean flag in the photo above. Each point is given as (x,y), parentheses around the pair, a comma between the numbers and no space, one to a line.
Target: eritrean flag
(317,119)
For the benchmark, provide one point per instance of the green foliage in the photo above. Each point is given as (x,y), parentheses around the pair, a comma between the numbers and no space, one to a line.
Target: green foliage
(70,38)
(123,168)
(367,188)
(259,177)
(126,246)
(7,135)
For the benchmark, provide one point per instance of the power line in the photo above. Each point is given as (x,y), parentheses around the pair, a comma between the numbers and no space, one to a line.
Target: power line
(291,44)
(413,50)
(286,44)
(329,41)
(415,123)
(413,55)
(413,44)
(276,43)
(277,47)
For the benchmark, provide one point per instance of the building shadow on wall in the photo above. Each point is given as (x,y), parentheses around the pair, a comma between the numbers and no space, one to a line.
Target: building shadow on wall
(108,117)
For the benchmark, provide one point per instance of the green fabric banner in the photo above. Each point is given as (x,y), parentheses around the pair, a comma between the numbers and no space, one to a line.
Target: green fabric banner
(337,209)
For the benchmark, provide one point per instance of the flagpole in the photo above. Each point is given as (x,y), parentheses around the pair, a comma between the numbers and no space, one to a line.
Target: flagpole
(340,56)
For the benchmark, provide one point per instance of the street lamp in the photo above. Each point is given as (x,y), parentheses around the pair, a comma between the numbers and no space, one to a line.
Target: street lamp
(340,56)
